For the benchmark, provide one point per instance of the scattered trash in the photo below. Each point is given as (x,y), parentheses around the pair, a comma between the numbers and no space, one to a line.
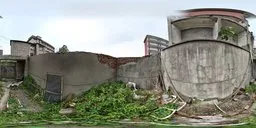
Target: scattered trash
(67,111)
(15,84)
(131,85)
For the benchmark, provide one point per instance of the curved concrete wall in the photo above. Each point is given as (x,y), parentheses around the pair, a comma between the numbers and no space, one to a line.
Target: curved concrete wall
(206,68)
(80,71)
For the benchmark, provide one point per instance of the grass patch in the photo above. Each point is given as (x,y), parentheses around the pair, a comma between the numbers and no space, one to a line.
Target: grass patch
(251,88)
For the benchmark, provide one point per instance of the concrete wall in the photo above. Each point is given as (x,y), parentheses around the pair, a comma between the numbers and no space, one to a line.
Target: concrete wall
(144,72)
(175,35)
(20,49)
(206,68)
(7,69)
(197,33)
(80,71)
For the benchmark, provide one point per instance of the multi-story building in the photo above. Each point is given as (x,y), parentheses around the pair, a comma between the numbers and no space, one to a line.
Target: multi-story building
(1,52)
(33,46)
(154,44)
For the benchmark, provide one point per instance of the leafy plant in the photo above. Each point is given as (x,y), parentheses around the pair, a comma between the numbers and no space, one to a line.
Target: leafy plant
(227,33)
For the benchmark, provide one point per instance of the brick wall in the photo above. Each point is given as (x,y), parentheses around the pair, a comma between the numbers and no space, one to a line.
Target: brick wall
(116,62)
(109,60)
(124,60)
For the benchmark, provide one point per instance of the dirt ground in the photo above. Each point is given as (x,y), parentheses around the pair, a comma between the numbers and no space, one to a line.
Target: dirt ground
(27,103)
(240,104)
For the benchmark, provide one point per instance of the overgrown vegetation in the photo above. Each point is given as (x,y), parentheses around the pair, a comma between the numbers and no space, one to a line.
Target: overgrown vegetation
(227,33)
(114,101)
(111,101)
(30,85)
(251,88)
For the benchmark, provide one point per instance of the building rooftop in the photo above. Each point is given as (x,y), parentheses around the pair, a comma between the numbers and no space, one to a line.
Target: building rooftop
(219,11)
(39,38)
(155,37)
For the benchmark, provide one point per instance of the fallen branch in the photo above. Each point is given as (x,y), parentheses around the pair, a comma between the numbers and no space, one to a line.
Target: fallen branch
(173,111)
(188,116)
(220,108)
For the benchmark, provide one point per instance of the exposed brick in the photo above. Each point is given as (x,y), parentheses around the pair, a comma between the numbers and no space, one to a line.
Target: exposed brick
(124,60)
(109,60)
(115,62)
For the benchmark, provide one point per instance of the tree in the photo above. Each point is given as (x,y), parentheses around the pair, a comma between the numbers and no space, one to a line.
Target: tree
(63,49)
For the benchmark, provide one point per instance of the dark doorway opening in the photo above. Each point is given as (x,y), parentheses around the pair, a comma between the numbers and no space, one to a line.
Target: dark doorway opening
(53,88)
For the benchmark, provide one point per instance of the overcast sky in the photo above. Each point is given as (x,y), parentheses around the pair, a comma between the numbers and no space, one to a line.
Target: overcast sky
(113,27)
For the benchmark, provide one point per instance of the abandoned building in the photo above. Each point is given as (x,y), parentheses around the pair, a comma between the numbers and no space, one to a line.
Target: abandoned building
(15,66)
(209,55)
(154,45)
(33,46)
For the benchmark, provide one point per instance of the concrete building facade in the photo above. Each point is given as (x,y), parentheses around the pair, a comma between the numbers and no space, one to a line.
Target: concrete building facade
(154,44)
(33,46)
(1,52)
(209,53)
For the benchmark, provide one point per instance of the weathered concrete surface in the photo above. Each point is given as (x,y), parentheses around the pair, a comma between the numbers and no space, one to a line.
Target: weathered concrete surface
(11,57)
(206,68)
(20,48)
(80,70)
(197,33)
(144,72)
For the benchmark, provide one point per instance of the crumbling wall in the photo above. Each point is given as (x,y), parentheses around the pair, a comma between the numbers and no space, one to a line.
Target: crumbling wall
(144,72)
(206,69)
(80,71)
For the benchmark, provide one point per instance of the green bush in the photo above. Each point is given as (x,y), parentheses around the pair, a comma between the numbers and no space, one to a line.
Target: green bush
(114,101)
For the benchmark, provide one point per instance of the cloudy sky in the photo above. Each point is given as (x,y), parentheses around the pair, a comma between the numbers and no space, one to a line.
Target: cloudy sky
(113,27)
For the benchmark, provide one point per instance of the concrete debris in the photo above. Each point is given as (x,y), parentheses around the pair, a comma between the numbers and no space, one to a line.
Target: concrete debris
(67,111)
(235,99)
(131,85)
(246,107)
(167,99)
(136,97)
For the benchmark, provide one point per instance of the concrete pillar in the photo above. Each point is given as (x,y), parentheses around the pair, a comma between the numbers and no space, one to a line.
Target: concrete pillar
(26,68)
(216,28)
(37,49)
